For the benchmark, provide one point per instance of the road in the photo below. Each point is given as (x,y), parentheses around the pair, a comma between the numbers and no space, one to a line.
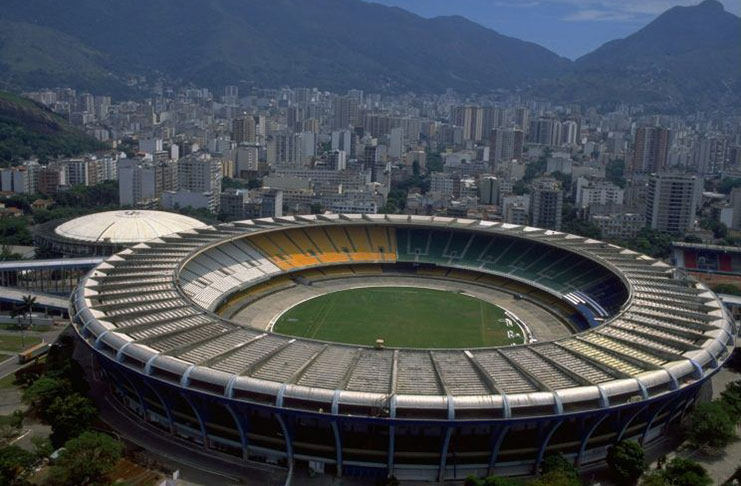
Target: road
(11,365)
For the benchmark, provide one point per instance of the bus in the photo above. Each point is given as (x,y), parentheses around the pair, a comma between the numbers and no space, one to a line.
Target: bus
(33,352)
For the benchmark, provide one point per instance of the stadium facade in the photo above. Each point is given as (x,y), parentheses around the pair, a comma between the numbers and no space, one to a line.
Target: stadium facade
(644,342)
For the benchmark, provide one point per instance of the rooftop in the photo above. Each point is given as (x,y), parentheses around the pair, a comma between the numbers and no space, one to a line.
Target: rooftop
(126,226)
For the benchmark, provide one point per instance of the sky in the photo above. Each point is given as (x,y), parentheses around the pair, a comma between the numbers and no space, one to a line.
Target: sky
(570,28)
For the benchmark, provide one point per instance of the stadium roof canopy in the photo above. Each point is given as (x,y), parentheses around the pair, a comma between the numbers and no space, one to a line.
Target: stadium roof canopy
(151,306)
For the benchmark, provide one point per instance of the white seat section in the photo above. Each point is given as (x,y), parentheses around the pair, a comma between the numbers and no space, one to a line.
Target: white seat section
(221,270)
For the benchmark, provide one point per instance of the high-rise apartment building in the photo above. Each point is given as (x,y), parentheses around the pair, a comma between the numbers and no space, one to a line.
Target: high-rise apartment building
(506,144)
(671,201)
(489,190)
(337,160)
(546,204)
(142,182)
(569,132)
(522,118)
(546,131)
(590,191)
(344,140)
(710,155)
(244,130)
(470,119)
(345,112)
(201,174)
(650,151)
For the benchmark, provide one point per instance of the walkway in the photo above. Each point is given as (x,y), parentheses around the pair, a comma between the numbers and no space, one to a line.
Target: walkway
(52,302)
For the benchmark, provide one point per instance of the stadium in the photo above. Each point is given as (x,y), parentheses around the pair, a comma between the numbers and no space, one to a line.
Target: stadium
(106,233)
(420,347)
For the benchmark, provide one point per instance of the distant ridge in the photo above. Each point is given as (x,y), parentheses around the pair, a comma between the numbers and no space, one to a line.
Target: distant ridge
(28,129)
(688,57)
(333,44)
(685,59)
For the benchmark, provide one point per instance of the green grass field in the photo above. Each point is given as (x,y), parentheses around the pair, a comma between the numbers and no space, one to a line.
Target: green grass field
(402,316)
(16,344)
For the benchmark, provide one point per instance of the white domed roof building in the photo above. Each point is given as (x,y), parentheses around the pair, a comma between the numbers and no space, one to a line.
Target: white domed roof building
(103,234)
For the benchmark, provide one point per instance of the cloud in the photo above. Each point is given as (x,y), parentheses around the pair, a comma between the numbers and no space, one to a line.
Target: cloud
(522,4)
(593,15)
(626,10)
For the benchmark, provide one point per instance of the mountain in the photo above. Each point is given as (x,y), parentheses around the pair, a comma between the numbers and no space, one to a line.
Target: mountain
(333,44)
(687,57)
(28,129)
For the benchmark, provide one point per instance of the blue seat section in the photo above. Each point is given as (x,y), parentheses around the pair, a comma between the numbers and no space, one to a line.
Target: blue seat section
(554,268)
(587,313)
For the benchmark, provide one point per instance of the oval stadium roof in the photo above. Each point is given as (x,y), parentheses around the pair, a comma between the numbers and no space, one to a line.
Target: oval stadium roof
(130,226)
(669,334)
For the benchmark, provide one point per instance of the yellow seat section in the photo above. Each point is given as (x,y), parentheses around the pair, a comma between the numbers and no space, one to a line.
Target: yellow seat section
(326,251)
(371,244)
(296,255)
(340,271)
(383,240)
(367,269)
(270,250)
(302,247)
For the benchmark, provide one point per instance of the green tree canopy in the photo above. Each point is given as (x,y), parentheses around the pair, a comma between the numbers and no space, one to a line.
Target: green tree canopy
(731,398)
(557,470)
(44,391)
(626,462)
(685,472)
(711,425)
(86,461)
(13,462)
(69,417)
(556,478)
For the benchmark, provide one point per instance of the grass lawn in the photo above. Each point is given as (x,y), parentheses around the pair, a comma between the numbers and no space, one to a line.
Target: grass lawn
(403,317)
(13,344)
(7,381)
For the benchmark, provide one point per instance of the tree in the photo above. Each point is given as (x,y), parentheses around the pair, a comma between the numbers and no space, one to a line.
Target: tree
(685,472)
(6,254)
(557,470)
(13,462)
(654,478)
(499,481)
(726,288)
(692,239)
(711,425)
(316,208)
(615,171)
(69,417)
(556,478)
(651,242)
(731,398)
(16,419)
(492,481)
(626,461)
(43,392)
(42,447)
(14,231)
(27,309)
(728,184)
(86,461)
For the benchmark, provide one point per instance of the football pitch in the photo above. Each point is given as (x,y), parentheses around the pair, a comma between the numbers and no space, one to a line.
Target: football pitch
(402,317)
